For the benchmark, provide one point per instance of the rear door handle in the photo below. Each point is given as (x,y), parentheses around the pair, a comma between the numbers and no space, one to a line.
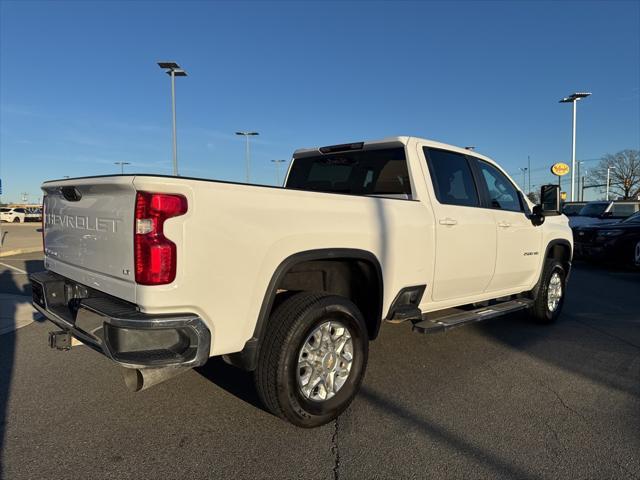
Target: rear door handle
(448,221)
(504,224)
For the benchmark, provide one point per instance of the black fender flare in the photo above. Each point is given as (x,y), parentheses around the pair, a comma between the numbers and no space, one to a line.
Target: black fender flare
(550,245)
(247,358)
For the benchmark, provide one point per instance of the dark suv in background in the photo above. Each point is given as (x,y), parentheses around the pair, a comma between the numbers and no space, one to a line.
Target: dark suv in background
(617,242)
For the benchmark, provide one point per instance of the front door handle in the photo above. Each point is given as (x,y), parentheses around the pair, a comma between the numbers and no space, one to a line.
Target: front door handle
(448,221)
(504,224)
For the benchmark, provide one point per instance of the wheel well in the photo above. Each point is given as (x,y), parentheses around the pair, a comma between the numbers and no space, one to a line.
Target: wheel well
(562,253)
(355,279)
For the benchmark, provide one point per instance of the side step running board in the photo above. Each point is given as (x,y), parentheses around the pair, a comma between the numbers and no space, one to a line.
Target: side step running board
(460,318)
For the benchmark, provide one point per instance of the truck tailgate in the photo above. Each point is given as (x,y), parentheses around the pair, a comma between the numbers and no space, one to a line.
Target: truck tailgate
(88,232)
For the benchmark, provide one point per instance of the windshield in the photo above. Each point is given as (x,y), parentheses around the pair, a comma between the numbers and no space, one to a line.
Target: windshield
(593,209)
(572,209)
(635,218)
(364,172)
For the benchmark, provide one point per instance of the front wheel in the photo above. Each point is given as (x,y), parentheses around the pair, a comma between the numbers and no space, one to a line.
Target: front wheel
(313,358)
(16,220)
(550,296)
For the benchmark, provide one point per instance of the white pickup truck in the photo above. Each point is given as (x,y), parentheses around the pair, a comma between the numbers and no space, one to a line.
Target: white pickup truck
(160,273)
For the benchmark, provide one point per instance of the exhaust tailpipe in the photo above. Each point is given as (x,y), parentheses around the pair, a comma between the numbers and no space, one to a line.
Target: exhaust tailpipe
(137,380)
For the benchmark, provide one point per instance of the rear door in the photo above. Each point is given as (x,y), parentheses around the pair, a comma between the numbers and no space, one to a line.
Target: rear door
(465,233)
(88,232)
(519,241)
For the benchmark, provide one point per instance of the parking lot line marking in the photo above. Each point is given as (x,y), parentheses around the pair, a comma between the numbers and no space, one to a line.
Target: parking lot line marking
(15,269)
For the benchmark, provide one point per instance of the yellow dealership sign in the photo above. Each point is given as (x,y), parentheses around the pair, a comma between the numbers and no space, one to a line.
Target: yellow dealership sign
(559,169)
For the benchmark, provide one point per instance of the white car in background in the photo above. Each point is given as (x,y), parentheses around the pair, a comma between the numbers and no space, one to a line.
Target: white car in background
(12,215)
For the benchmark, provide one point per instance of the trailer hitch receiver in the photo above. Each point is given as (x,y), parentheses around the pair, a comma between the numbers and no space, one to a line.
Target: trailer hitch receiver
(60,340)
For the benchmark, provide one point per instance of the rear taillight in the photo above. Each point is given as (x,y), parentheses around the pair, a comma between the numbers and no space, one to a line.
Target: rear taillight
(155,255)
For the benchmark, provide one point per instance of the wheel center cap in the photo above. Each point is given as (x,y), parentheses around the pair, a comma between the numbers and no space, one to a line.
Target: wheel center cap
(329,361)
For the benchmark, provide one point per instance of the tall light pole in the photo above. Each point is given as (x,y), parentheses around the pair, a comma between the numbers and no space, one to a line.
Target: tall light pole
(277,164)
(608,179)
(122,164)
(573,98)
(173,70)
(524,176)
(529,170)
(247,153)
(578,175)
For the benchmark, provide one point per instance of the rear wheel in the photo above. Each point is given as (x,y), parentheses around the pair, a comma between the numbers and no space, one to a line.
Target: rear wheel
(313,358)
(551,291)
(16,220)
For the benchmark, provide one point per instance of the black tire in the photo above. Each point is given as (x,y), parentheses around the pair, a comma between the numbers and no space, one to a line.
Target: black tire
(16,220)
(635,257)
(276,376)
(540,311)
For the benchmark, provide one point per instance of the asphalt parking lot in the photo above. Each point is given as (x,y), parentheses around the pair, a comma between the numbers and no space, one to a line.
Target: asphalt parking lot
(19,238)
(503,399)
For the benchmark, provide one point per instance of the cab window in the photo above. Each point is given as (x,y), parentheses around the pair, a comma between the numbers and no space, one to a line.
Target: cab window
(623,210)
(381,172)
(452,178)
(502,194)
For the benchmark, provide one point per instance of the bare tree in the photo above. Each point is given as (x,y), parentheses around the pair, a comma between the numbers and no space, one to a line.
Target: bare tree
(624,169)
(534,197)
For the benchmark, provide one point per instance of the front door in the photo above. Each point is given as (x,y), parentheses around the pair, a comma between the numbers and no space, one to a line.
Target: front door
(519,241)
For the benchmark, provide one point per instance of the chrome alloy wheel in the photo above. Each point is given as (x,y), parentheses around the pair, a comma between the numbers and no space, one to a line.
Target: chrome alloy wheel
(554,292)
(325,361)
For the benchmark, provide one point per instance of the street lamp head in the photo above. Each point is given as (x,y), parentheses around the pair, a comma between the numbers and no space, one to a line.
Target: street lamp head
(574,97)
(172,68)
(247,134)
(169,65)
(278,161)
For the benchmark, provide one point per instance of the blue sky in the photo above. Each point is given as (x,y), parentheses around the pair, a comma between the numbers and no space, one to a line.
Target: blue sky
(80,88)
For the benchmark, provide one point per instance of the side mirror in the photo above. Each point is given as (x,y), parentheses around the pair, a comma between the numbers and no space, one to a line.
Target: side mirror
(550,200)
(537,215)
(549,204)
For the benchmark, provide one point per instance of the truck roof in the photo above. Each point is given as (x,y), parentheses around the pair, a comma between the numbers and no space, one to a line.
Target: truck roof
(404,139)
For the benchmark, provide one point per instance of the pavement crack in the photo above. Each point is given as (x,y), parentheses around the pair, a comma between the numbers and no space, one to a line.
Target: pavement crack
(565,405)
(336,451)
(584,419)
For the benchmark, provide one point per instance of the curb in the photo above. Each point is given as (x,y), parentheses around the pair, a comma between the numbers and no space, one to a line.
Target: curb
(18,251)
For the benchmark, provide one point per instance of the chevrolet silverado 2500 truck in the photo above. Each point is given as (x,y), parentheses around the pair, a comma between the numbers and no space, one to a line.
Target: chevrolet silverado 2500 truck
(160,273)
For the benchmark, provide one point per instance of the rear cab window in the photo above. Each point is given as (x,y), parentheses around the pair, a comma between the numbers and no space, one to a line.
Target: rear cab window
(623,210)
(380,172)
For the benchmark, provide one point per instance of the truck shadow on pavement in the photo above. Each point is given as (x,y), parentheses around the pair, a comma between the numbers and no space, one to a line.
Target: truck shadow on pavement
(599,318)
(8,285)
(235,381)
